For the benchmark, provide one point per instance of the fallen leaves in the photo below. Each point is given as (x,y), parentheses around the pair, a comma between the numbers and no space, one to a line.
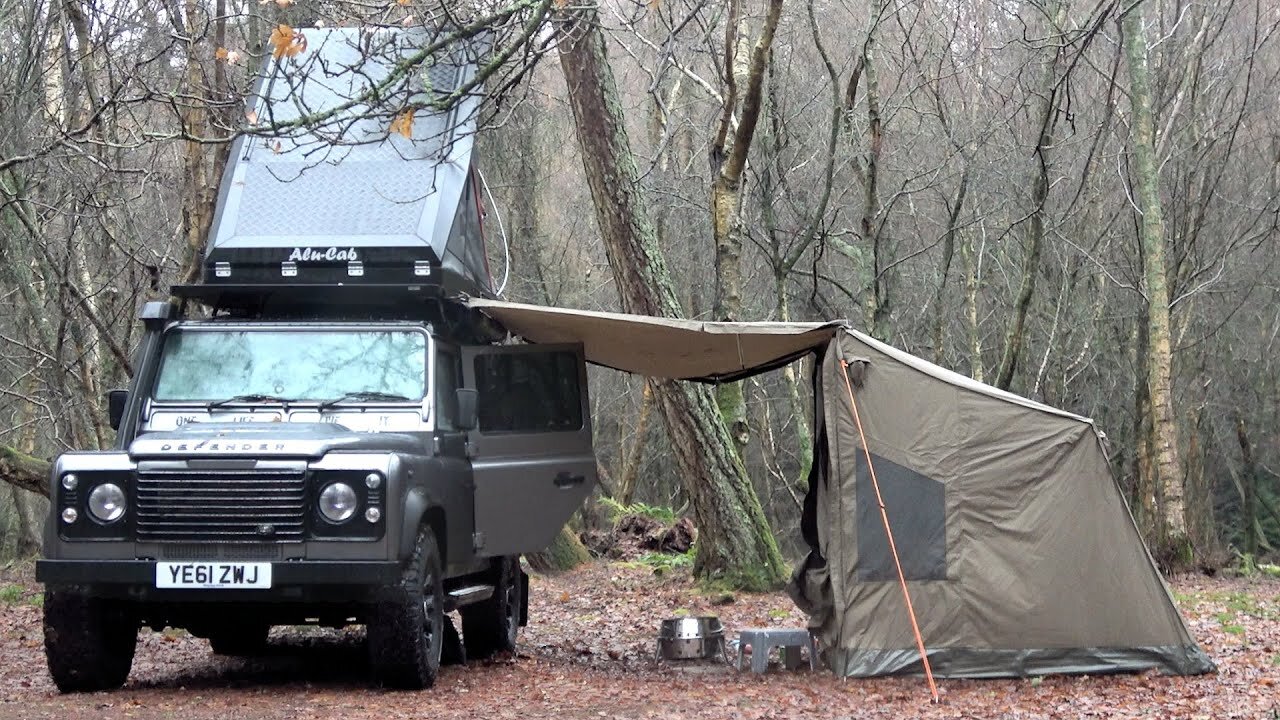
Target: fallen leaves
(589,652)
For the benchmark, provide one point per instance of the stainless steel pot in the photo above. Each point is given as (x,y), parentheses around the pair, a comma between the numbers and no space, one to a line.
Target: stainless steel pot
(691,638)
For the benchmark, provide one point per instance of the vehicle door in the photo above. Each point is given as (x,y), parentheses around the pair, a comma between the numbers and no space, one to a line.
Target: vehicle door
(532,457)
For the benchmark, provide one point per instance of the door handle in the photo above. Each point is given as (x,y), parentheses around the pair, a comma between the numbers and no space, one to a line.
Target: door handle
(564,480)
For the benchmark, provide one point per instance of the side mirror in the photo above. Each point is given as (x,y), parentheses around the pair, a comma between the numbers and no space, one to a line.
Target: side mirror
(468,403)
(116,402)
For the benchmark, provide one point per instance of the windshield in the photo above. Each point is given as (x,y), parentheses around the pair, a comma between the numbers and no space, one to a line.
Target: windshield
(207,365)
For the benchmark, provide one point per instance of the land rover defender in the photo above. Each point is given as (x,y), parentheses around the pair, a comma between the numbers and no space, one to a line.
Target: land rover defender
(319,432)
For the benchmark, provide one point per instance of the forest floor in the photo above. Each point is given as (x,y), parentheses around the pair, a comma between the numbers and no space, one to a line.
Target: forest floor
(588,653)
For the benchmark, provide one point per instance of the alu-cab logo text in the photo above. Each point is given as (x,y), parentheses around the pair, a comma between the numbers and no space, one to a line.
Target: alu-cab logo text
(332,254)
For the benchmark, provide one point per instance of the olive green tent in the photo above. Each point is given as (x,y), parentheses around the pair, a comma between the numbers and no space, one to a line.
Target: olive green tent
(1018,549)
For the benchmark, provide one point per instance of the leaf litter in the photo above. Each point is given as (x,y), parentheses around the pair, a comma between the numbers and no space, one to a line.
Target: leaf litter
(589,652)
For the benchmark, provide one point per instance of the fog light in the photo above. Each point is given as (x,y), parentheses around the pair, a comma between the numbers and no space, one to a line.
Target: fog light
(338,502)
(69,515)
(373,481)
(70,481)
(373,515)
(107,502)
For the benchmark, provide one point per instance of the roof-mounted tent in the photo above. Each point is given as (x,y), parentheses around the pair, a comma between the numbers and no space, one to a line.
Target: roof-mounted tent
(367,179)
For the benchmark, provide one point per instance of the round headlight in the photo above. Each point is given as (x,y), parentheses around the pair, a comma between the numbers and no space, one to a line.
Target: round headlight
(373,481)
(372,515)
(338,502)
(107,502)
(70,481)
(69,515)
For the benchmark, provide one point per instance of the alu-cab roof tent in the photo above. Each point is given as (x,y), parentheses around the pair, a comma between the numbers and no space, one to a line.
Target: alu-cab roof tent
(1018,547)
(364,180)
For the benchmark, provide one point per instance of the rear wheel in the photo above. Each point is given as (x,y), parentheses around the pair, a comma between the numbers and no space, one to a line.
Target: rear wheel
(243,640)
(88,641)
(406,625)
(492,626)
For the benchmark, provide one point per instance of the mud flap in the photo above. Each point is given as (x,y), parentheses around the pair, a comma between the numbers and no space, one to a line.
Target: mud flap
(524,598)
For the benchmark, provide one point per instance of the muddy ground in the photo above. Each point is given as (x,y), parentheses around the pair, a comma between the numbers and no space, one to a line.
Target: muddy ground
(588,653)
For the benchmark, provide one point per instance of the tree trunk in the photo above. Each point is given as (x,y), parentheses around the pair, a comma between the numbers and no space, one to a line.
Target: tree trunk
(972,279)
(734,541)
(1047,119)
(729,161)
(877,304)
(28,541)
(1248,487)
(566,553)
(21,470)
(631,469)
(1173,547)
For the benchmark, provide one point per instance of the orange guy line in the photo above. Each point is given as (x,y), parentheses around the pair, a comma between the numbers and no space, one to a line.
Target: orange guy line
(893,549)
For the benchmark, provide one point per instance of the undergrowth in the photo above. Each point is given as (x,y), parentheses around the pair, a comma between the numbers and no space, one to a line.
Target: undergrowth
(617,511)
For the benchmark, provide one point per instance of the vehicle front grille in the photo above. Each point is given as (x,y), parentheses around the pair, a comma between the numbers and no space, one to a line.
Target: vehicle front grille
(239,507)
(218,551)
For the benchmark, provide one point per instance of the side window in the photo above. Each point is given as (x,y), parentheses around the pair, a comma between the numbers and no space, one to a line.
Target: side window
(529,392)
(446,385)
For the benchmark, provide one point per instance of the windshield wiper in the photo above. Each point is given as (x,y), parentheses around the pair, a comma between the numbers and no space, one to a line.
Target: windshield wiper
(253,397)
(368,395)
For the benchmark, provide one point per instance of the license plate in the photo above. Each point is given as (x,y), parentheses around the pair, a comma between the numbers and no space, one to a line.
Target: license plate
(213,575)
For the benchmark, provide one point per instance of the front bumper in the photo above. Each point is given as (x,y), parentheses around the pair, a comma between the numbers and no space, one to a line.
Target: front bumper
(140,575)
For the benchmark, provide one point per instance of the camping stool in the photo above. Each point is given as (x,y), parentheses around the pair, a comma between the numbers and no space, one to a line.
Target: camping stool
(790,640)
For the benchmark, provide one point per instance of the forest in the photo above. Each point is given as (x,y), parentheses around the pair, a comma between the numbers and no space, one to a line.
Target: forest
(1076,201)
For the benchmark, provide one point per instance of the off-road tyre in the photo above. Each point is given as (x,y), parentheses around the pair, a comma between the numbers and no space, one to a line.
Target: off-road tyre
(243,640)
(406,624)
(88,641)
(492,626)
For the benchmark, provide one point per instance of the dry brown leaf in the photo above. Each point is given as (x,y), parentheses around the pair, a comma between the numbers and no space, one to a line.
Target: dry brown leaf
(561,4)
(284,3)
(221,54)
(403,124)
(402,3)
(281,38)
(286,42)
(277,148)
(251,116)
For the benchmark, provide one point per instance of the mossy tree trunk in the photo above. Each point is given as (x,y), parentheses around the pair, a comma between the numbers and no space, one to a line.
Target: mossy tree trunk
(22,470)
(744,80)
(566,553)
(1173,547)
(735,542)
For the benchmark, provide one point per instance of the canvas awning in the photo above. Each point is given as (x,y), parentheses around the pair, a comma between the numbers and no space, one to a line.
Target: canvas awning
(665,347)
(1020,553)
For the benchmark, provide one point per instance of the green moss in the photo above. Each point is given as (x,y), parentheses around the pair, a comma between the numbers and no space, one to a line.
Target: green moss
(11,594)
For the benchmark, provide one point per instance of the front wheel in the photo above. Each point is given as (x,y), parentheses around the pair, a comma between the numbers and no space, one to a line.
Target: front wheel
(88,641)
(492,626)
(406,625)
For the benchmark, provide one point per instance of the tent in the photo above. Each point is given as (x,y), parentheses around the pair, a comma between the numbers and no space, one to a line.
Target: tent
(1019,551)
(362,192)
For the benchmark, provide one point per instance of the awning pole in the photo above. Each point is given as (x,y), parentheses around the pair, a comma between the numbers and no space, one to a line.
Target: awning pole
(893,549)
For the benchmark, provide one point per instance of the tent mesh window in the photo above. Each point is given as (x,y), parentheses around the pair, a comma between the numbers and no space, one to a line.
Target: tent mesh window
(916,505)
